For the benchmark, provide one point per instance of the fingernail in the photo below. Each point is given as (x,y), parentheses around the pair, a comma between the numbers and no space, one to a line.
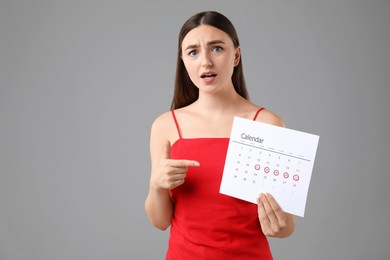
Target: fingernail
(196,164)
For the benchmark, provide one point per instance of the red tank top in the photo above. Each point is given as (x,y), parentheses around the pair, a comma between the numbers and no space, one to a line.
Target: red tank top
(205,223)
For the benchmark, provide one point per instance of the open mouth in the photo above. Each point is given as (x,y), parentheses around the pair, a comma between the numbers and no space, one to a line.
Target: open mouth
(208,75)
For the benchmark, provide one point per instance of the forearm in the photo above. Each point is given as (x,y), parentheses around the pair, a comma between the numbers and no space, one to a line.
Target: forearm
(159,208)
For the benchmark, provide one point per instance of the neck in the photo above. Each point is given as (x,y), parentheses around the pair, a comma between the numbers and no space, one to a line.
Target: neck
(218,103)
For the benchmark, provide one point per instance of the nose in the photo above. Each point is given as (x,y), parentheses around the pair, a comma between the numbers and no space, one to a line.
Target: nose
(206,60)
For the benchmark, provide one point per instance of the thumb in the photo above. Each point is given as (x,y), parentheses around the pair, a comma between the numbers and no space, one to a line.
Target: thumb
(167,150)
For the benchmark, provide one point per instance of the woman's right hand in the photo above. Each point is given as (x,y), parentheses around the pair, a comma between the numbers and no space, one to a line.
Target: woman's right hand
(170,172)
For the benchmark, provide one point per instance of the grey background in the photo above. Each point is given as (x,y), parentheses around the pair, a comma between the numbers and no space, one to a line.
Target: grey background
(82,81)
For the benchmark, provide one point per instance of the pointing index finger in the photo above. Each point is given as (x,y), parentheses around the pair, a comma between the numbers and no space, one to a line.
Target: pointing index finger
(184,163)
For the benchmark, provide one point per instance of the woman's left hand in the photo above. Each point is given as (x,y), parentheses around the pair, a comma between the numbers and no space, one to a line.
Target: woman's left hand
(273,220)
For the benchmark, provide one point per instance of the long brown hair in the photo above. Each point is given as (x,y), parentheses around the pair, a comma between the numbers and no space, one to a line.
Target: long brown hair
(185,91)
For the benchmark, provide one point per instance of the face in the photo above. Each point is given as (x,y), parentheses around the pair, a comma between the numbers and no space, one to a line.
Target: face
(209,56)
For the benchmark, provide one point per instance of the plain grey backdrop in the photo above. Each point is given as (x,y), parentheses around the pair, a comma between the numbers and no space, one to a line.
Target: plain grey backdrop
(82,81)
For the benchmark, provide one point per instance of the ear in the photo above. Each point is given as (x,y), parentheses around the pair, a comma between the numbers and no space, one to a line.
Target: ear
(237,56)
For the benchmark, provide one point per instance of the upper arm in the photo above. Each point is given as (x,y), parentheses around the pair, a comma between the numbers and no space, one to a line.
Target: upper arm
(161,130)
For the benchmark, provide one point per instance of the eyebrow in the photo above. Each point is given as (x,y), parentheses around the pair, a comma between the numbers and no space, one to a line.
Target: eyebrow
(193,46)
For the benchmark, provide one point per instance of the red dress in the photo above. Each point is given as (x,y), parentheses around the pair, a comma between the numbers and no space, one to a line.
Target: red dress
(207,224)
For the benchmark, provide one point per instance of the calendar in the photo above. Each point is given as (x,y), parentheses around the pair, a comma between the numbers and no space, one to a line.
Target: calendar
(264,158)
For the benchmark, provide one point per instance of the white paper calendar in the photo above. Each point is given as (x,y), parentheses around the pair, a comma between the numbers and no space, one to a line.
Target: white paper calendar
(263,158)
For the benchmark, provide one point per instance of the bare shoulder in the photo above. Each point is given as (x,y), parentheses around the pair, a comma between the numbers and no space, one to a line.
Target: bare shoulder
(269,117)
(163,126)
(162,121)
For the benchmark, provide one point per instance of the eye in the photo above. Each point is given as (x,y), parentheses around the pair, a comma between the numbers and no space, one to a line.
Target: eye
(216,48)
(192,53)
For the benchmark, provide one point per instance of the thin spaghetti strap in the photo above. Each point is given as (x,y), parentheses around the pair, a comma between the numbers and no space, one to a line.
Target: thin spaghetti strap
(177,125)
(257,112)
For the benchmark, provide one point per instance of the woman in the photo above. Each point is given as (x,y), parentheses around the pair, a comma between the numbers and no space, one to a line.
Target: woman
(188,147)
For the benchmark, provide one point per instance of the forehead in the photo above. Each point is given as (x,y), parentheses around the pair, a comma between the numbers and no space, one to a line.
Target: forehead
(203,34)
